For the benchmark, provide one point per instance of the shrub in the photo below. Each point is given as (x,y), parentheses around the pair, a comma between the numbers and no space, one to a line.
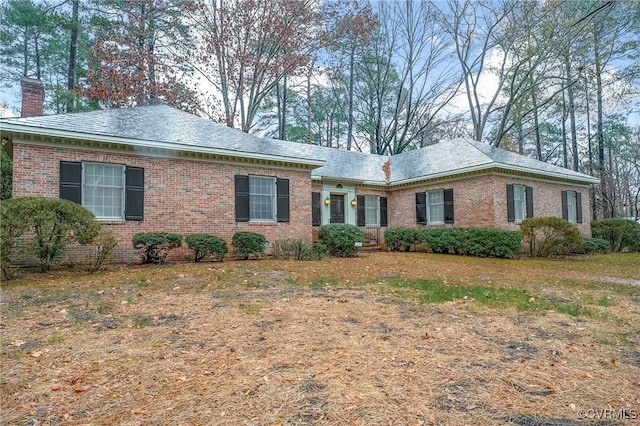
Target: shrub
(480,242)
(400,238)
(247,243)
(340,239)
(54,223)
(490,242)
(154,246)
(298,249)
(549,236)
(11,229)
(621,233)
(105,244)
(204,245)
(443,240)
(595,245)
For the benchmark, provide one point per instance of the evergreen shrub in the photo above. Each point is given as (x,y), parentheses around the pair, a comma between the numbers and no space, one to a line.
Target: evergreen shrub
(204,245)
(340,239)
(155,246)
(247,243)
(549,236)
(622,234)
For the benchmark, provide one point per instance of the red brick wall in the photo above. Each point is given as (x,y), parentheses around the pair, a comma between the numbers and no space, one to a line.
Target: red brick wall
(472,202)
(547,201)
(481,201)
(181,196)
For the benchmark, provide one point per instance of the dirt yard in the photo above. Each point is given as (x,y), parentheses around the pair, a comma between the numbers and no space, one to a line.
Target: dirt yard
(332,342)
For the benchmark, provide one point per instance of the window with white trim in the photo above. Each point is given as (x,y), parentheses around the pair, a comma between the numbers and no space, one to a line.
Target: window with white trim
(520,202)
(571,207)
(372,210)
(103,190)
(262,198)
(435,207)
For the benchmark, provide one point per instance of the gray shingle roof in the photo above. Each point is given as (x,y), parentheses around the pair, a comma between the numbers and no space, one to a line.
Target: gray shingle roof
(168,127)
(162,125)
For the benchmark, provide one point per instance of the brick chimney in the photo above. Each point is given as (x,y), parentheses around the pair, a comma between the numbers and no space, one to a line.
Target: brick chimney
(32,97)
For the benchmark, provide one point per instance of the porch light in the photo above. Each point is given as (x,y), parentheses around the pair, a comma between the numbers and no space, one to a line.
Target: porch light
(354,202)
(327,201)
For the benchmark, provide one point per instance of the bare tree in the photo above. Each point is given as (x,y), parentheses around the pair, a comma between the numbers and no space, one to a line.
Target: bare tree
(249,45)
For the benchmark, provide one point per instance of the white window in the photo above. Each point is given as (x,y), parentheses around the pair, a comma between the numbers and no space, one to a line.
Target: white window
(371,210)
(435,207)
(262,198)
(103,190)
(571,207)
(519,202)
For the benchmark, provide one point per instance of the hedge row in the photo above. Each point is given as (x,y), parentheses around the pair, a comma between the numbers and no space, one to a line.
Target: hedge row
(480,242)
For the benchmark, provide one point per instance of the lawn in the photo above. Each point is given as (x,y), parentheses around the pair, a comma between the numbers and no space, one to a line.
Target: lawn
(382,339)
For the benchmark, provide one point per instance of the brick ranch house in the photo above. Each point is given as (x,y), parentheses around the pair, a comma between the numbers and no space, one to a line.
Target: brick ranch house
(156,168)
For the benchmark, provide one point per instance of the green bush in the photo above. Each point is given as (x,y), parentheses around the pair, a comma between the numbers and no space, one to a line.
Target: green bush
(155,246)
(443,240)
(340,239)
(298,249)
(480,242)
(400,238)
(247,243)
(548,236)
(490,242)
(11,229)
(622,234)
(204,245)
(105,244)
(53,224)
(595,245)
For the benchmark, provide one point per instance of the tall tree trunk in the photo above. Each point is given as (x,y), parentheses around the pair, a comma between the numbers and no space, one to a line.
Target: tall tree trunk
(592,192)
(351,89)
(309,134)
(282,108)
(565,158)
(599,125)
(536,122)
(572,113)
(73,49)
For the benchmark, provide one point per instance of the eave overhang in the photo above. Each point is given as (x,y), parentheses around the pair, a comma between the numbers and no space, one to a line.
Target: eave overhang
(487,168)
(30,134)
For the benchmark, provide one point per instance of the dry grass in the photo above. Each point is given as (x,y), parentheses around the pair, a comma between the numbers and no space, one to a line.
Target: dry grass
(324,343)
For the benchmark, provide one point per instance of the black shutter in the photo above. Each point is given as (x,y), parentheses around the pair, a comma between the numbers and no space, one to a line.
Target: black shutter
(421,208)
(383,211)
(448,206)
(282,187)
(511,211)
(315,209)
(578,207)
(529,201)
(71,181)
(134,193)
(242,198)
(360,211)
(565,207)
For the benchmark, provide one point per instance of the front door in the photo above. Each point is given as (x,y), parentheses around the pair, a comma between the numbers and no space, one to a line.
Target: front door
(337,208)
